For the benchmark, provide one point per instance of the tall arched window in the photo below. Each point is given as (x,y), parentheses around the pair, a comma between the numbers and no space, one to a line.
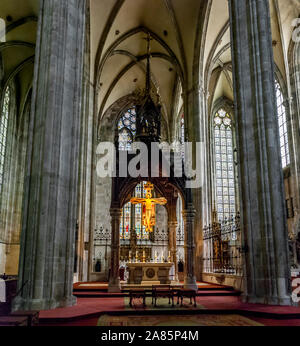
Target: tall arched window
(182,129)
(182,135)
(224,165)
(2,30)
(3,132)
(127,129)
(132,215)
(282,122)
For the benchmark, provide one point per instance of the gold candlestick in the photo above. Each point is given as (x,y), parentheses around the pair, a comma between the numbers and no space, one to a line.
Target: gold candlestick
(155,257)
(144,256)
(169,257)
(129,256)
(136,257)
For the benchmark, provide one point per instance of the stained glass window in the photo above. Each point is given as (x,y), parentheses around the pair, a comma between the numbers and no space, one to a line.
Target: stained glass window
(224,165)
(282,122)
(3,132)
(2,30)
(182,129)
(126,222)
(182,135)
(127,129)
(134,219)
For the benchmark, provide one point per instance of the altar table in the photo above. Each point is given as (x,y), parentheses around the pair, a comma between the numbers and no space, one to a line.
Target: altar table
(149,273)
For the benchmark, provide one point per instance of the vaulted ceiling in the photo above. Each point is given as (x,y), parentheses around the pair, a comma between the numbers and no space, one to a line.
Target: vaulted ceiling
(182,32)
(17,45)
(217,57)
(118,48)
(191,44)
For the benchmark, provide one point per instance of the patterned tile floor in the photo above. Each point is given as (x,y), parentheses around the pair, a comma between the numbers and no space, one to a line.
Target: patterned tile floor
(177,320)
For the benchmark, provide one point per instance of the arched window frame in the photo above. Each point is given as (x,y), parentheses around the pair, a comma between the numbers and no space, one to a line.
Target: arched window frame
(233,207)
(133,214)
(2,30)
(283,121)
(4,124)
(127,126)
(180,133)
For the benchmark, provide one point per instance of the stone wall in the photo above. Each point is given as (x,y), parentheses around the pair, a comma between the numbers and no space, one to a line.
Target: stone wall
(234,281)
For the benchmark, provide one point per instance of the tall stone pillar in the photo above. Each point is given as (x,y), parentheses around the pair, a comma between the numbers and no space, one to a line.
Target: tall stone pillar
(189,248)
(51,178)
(263,217)
(172,225)
(195,117)
(114,278)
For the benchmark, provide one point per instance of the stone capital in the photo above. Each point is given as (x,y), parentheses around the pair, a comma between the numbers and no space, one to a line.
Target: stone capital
(189,214)
(115,213)
(172,224)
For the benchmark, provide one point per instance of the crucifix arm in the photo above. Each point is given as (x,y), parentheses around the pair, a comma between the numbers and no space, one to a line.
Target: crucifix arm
(161,201)
(137,200)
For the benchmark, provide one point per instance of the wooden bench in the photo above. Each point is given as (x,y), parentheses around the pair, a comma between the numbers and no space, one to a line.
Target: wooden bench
(162,291)
(176,291)
(32,316)
(188,293)
(137,293)
(14,321)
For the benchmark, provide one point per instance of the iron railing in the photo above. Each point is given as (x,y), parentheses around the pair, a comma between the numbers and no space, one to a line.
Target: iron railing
(222,247)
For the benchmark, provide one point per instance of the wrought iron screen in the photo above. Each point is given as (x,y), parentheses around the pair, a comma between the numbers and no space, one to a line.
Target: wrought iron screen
(222,247)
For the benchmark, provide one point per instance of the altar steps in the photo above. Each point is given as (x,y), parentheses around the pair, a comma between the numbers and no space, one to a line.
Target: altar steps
(209,293)
(103,286)
(124,293)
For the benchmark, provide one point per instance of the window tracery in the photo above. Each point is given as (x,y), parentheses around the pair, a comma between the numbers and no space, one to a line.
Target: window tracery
(127,129)
(282,123)
(224,165)
(3,133)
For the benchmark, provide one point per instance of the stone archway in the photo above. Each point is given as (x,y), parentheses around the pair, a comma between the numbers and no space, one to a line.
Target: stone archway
(121,189)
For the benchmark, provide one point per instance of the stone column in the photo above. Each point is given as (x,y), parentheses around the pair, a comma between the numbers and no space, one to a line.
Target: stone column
(172,225)
(189,248)
(294,107)
(86,166)
(114,278)
(197,132)
(51,178)
(263,218)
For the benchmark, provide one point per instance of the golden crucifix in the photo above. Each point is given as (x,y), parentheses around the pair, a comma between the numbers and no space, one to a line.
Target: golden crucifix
(148,206)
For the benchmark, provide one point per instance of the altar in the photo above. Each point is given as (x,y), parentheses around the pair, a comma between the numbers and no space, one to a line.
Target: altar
(149,273)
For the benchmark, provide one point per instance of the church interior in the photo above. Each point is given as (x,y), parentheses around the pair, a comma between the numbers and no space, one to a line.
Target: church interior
(212,225)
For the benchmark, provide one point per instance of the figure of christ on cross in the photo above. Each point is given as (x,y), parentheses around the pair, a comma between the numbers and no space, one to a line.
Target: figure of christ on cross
(148,206)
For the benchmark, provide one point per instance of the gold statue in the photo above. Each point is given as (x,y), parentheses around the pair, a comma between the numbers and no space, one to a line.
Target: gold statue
(148,206)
